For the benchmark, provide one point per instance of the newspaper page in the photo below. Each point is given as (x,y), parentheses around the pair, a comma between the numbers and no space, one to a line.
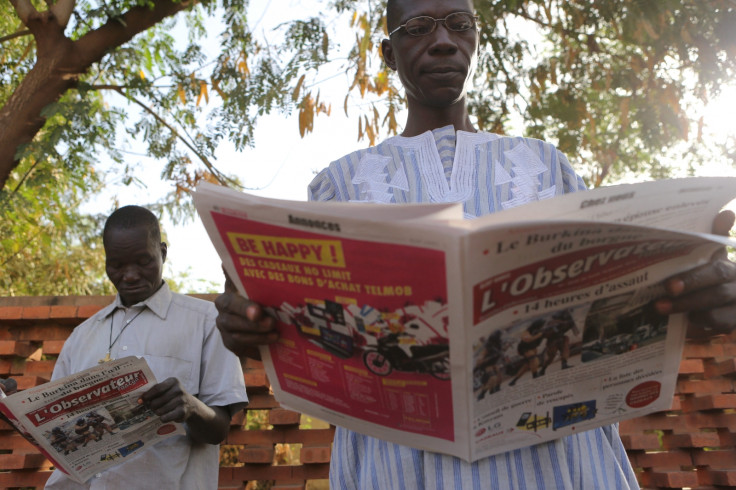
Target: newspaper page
(90,421)
(388,326)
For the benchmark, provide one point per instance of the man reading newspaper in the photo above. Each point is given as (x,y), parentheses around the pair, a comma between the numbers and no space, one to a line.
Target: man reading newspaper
(433,45)
(200,382)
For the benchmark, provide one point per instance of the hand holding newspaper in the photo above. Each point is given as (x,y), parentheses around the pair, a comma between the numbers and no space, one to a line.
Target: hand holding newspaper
(91,420)
(470,337)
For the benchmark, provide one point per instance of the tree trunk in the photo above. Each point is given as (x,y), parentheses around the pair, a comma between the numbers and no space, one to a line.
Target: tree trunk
(59,64)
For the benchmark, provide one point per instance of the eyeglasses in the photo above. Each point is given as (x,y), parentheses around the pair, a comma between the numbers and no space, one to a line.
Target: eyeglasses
(423,25)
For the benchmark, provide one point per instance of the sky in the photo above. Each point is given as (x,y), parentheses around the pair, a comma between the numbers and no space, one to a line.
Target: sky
(282,163)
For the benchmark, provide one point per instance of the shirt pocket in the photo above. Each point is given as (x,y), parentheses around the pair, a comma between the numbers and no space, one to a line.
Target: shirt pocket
(164,367)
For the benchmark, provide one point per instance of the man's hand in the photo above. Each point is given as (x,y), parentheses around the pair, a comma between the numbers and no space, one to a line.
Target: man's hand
(707,293)
(9,386)
(243,324)
(170,401)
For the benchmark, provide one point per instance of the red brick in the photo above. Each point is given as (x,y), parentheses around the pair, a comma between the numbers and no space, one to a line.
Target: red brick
(290,486)
(640,441)
(694,439)
(25,382)
(14,441)
(15,348)
(704,386)
(702,350)
(24,479)
(656,421)
(64,312)
(41,368)
(36,312)
(691,366)
(676,404)
(317,437)
(256,379)
(52,347)
(721,478)
(674,479)
(729,349)
(86,311)
(261,401)
(45,331)
(256,454)
(284,472)
(711,402)
(726,438)
(11,312)
(723,459)
(664,460)
(19,461)
(281,416)
(726,368)
(315,454)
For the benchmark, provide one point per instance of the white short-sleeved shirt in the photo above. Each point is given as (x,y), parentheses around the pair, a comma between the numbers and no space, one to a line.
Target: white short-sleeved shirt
(487,173)
(177,336)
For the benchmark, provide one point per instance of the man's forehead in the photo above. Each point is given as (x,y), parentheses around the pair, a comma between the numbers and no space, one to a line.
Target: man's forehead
(407,9)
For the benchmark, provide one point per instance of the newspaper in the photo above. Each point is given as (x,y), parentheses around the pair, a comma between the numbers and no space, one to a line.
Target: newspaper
(90,421)
(470,337)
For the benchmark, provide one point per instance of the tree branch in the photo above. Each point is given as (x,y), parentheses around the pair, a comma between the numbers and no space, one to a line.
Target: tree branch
(222,179)
(62,10)
(119,30)
(14,35)
(24,9)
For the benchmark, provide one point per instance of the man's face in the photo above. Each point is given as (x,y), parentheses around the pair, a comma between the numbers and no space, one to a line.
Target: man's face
(134,263)
(436,68)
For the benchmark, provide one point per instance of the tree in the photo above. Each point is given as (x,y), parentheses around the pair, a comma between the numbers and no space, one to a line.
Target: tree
(613,83)
(56,114)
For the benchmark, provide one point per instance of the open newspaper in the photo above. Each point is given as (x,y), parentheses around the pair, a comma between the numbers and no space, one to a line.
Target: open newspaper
(470,337)
(90,421)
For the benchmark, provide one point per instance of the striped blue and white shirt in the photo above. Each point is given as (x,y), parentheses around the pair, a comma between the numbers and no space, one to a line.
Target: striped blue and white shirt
(487,173)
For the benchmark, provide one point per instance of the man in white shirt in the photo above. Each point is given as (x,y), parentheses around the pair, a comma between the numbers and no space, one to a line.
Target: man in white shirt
(200,381)
(433,45)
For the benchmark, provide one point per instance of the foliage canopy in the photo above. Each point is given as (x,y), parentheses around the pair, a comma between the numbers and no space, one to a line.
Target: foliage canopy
(614,83)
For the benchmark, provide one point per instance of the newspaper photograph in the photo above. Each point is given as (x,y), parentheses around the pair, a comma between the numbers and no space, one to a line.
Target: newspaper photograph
(90,421)
(470,337)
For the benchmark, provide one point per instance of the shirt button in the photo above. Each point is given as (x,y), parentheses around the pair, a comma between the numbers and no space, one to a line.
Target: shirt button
(98,475)
(125,347)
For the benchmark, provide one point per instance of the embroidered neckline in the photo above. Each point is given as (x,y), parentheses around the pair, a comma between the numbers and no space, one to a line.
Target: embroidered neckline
(464,168)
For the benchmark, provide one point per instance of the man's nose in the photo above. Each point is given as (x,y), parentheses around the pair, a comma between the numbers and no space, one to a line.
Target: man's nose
(131,274)
(443,40)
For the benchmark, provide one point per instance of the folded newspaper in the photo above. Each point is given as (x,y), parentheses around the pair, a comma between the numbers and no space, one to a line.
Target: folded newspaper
(470,337)
(90,421)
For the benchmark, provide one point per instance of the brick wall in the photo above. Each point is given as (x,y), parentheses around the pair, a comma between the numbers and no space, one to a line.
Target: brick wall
(692,445)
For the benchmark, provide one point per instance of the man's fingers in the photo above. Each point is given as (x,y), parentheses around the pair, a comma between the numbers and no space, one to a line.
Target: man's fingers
(712,274)
(228,322)
(233,303)
(158,390)
(723,223)
(711,298)
(10,386)
(229,284)
(714,321)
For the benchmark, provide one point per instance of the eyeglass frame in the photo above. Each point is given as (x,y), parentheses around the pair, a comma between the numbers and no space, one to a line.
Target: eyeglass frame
(436,21)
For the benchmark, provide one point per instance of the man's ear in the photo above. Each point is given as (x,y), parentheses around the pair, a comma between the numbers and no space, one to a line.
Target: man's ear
(164,248)
(388,54)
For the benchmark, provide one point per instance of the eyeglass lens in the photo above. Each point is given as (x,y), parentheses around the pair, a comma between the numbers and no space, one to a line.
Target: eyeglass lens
(421,26)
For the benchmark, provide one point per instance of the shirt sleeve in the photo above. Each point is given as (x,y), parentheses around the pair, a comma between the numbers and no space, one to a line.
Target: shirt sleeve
(571,181)
(221,375)
(322,187)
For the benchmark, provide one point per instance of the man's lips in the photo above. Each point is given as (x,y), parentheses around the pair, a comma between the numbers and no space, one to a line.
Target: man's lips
(133,289)
(439,70)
